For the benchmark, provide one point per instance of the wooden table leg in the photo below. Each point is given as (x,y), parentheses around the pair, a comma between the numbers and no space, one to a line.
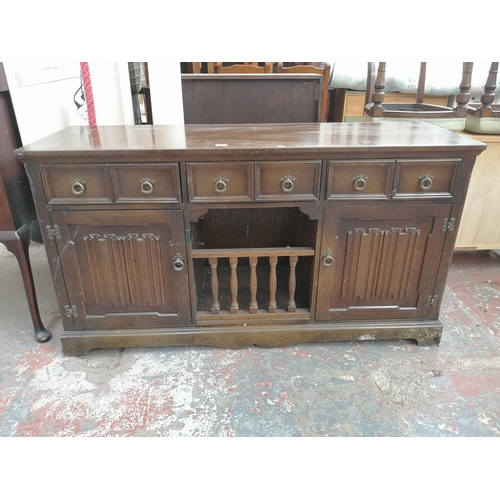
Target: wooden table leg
(18,242)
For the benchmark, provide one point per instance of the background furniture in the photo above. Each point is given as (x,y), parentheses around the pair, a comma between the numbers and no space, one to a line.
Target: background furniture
(320,69)
(219,67)
(252,98)
(16,204)
(485,117)
(441,78)
(348,105)
(240,68)
(480,229)
(267,234)
(446,117)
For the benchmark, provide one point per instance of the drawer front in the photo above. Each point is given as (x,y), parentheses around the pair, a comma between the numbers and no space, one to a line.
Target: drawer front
(278,181)
(359,179)
(146,183)
(220,182)
(424,178)
(80,184)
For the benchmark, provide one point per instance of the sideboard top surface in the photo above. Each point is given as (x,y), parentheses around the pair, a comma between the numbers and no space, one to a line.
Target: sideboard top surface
(321,138)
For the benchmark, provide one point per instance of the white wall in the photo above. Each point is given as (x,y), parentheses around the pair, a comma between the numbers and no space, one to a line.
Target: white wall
(111,90)
(44,106)
(166,93)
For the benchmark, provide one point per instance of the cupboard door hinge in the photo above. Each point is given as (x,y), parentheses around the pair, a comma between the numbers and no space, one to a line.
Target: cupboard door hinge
(71,312)
(53,232)
(448,225)
(431,300)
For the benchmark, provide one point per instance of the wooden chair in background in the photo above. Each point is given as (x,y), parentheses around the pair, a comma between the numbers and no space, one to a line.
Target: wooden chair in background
(268,68)
(317,68)
(451,118)
(484,118)
(240,68)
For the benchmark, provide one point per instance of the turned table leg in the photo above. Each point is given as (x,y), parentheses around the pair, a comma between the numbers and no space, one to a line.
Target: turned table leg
(18,242)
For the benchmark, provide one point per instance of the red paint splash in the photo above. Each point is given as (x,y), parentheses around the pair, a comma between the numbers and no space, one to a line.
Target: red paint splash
(471,385)
(36,358)
(49,421)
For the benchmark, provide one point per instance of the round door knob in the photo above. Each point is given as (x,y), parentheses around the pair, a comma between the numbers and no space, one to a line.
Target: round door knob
(147,186)
(78,187)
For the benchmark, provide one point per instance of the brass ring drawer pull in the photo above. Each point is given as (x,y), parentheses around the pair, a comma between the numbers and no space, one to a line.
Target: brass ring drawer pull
(220,184)
(287,183)
(360,182)
(328,258)
(425,181)
(147,185)
(178,262)
(78,187)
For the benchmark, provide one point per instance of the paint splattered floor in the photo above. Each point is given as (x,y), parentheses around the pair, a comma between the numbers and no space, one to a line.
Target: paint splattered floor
(335,389)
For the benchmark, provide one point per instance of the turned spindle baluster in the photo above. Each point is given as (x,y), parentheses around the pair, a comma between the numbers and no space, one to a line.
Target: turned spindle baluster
(421,83)
(292,284)
(273,261)
(215,286)
(379,94)
(464,95)
(488,97)
(253,285)
(233,262)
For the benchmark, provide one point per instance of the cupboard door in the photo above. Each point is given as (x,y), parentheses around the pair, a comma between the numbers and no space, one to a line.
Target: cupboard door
(379,262)
(124,269)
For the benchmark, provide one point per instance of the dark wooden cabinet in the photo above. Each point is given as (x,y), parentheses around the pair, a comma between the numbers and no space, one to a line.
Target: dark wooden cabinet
(380,262)
(239,235)
(123,269)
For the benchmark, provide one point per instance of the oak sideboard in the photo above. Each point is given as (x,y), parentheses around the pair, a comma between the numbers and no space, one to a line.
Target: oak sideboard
(269,234)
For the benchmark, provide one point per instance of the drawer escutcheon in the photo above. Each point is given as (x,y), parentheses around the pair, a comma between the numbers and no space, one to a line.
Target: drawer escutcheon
(287,183)
(425,181)
(220,184)
(360,182)
(78,186)
(147,185)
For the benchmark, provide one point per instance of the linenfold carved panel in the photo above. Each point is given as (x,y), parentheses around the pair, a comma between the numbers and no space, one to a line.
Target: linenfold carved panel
(379,263)
(136,263)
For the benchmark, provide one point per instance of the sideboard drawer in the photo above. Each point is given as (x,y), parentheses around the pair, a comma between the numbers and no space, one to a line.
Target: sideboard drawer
(426,178)
(158,183)
(359,179)
(80,184)
(220,182)
(281,180)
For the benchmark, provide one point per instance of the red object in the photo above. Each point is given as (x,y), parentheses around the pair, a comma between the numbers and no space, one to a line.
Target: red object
(89,97)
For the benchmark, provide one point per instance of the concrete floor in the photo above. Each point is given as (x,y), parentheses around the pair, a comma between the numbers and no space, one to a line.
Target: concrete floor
(322,389)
